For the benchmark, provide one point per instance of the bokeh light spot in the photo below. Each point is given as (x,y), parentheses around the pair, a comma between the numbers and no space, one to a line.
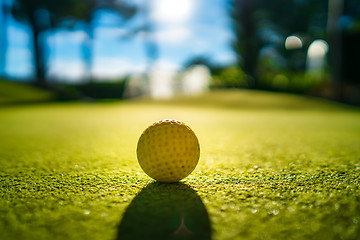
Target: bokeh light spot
(293,42)
(318,48)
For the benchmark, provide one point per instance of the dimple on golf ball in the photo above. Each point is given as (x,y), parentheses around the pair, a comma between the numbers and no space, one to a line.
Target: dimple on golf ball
(168,150)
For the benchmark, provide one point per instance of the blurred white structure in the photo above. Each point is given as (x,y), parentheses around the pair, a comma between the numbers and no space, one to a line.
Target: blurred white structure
(195,80)
(316,56)
(163,82)
(134,86)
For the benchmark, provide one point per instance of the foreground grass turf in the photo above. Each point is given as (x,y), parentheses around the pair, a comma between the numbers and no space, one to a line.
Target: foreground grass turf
(271,167)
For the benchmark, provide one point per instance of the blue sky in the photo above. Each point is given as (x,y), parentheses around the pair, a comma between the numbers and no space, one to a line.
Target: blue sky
(183,29)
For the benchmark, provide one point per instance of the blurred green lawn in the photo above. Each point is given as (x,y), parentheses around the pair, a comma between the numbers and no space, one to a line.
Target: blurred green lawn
(272,166)
(13,92)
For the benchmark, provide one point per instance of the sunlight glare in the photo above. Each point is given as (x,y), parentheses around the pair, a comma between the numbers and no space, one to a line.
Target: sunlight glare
(172,11)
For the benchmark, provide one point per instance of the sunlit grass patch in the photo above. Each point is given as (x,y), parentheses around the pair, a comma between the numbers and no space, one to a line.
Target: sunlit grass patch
(273,167)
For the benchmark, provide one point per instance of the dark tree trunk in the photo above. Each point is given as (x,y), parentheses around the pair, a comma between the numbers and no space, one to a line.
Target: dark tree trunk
(248,49)
(87,51)
(38,54)
(335,11)
(3,37)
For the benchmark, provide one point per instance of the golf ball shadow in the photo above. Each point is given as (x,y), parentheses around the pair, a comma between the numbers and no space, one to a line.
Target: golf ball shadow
(165,211)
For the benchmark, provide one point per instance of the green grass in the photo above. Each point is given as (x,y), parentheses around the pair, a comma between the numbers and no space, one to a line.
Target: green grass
(272,166)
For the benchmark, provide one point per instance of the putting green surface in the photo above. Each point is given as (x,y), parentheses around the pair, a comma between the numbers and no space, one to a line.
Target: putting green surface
(271,167)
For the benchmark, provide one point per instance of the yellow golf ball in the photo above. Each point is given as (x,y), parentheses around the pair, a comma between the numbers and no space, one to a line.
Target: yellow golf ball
(168,150)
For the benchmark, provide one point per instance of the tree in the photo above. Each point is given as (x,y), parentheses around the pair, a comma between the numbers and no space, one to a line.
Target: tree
(84,10)
(251,18)
(42,15)
(247,45)
(5,8)
(344,37)
(39,14)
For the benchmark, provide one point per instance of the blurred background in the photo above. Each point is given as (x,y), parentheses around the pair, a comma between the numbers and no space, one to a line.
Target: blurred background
(117,49)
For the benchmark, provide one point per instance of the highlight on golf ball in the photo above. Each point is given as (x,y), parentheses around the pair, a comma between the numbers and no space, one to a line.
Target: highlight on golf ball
(168,150)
